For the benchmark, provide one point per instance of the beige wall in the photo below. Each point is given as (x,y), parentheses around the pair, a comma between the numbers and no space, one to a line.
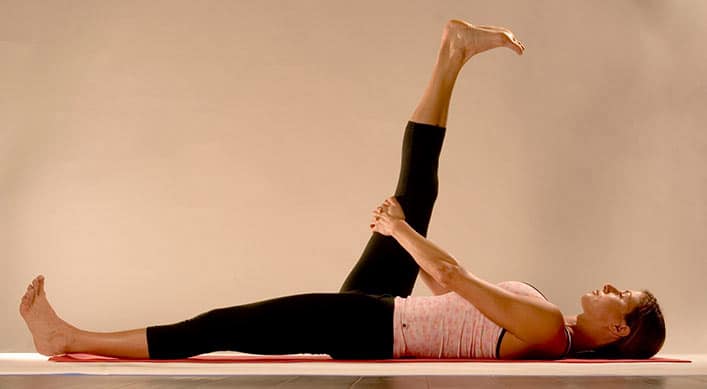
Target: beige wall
(161,158)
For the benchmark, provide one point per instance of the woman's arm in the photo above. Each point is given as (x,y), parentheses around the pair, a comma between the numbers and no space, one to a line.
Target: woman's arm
(433,285)
(533,320)
(384,222)
(431,258)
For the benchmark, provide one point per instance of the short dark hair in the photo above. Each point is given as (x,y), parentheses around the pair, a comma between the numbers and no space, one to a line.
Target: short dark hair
(646,337)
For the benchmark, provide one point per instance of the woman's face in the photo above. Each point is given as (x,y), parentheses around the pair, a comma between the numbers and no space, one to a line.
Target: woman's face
(609,304)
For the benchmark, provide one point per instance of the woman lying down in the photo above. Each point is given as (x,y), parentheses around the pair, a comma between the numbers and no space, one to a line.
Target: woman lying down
(373,316)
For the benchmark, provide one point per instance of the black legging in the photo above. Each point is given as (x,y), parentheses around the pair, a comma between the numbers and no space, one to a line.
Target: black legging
(357,322)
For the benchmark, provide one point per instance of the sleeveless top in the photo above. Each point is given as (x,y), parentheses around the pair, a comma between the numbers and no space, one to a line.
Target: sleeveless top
(449,326)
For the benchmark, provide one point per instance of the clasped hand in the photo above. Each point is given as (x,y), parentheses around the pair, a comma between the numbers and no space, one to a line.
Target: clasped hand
(385,216)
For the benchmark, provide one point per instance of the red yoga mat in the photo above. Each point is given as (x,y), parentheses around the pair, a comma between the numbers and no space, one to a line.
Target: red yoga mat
(325,358)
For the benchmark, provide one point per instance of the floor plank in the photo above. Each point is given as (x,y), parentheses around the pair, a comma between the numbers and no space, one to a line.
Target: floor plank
(357,382)
(392,382)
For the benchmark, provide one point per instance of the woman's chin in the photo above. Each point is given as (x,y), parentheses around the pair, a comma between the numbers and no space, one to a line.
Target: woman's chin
(585,300)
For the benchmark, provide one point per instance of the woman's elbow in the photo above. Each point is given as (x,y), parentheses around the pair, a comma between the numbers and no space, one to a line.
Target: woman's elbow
(448,274)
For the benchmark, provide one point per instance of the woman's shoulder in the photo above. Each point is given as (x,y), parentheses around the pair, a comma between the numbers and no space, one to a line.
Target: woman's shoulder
(521,287)
(514,348)
(517,349)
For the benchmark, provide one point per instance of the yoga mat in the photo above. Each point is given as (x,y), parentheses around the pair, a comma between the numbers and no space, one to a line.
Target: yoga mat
(325,358)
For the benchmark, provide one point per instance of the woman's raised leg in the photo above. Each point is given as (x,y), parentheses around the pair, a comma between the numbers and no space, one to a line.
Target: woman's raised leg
(384,266)
(460,42)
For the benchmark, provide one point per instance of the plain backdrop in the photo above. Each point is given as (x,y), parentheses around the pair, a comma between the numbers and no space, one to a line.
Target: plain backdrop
(162,158)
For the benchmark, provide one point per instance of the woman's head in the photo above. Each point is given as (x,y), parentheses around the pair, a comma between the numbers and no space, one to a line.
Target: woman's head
(626,323)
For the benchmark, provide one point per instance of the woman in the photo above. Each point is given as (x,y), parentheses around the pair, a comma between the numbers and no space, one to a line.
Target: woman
(373,316)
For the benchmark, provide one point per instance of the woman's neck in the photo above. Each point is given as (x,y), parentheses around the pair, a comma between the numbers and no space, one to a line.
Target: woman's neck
(581,340)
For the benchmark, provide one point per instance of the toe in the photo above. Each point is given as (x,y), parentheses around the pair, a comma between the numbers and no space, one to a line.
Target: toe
(41,285)
(23,307)
(509,44)
(29,295)
(514,43)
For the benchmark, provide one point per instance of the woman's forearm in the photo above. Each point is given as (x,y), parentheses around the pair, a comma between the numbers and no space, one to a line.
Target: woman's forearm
(431,258)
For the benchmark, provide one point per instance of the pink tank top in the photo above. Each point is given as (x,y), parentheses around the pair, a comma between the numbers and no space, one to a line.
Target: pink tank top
(448,326)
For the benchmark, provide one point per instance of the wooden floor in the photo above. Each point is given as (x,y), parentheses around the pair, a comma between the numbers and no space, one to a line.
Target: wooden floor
(30,370)
(358,382)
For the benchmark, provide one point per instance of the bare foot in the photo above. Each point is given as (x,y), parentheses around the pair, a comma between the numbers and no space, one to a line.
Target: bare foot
(508,33)
(466,40)
(51,334)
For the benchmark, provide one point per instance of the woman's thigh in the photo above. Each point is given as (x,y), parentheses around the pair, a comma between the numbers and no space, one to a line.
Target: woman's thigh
(384,266)
(343,325)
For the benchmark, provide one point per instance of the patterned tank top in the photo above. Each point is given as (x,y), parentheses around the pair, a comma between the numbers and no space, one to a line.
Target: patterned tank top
(449,326)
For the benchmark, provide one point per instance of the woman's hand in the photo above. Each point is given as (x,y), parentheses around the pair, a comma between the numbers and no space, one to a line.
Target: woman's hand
(385,216)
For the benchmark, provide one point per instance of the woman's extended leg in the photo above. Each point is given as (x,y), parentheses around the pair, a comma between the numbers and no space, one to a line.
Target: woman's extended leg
(343,325)
(53,336)
(384,266)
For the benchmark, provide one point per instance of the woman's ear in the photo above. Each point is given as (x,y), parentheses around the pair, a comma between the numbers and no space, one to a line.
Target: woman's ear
(620,329)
